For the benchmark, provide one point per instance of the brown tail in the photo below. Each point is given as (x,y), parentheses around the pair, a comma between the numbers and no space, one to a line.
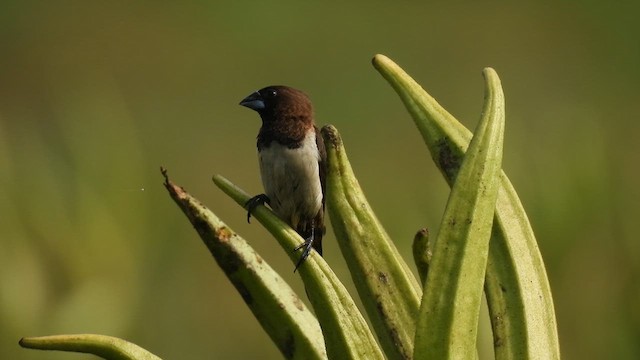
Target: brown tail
(317,240)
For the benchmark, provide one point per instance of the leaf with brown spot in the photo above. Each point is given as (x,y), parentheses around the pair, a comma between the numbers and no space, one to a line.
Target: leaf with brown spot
(292,327)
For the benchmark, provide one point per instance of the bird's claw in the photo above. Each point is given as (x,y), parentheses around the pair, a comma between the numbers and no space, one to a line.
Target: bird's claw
(252,203)
(307,245)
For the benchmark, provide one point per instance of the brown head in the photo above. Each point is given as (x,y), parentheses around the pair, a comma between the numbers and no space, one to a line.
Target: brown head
(287,113)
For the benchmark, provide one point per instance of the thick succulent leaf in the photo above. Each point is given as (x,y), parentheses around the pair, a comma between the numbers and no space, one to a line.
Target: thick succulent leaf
(106,347)
(516,284)
(387,288)
(282,314)
(346,333)
(448,321)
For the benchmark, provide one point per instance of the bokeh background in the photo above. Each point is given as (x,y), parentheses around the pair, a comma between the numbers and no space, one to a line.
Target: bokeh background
(95,96)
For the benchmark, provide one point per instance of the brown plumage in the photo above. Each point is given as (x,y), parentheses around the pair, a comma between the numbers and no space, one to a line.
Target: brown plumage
(292,162)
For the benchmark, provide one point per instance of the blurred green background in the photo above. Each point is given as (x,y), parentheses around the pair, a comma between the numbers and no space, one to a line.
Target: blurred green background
(95,96)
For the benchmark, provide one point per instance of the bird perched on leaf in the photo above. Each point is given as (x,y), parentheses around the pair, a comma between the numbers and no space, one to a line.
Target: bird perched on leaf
(292,163)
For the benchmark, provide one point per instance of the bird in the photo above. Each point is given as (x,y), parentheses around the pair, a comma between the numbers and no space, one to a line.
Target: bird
(292,160)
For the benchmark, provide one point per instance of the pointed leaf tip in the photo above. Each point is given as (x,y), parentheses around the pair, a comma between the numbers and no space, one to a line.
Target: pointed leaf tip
(331,136)
(379,59)
(106,347)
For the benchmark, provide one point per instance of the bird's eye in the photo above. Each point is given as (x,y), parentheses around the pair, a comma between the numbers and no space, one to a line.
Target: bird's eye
(271,93)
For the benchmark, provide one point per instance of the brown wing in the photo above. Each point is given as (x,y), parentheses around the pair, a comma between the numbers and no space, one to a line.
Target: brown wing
(322,164)
(319,219)
(315,226)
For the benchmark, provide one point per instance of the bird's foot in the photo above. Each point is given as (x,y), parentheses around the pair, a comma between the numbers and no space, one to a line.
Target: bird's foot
(252,203)
(307,245)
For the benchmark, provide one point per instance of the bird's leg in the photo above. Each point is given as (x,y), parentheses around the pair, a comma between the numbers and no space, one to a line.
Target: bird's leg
(252,203)
(307,245)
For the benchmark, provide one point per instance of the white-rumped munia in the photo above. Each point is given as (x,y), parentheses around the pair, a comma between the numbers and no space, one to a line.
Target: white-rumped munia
(292,162)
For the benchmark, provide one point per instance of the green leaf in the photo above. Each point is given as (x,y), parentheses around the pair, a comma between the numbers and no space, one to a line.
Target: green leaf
(345,331)
(422,253)
(448,322)
(282,314)
(389,291)
(516,284)
(106,347)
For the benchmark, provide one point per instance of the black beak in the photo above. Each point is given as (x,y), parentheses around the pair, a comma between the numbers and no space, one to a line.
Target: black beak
(253,101)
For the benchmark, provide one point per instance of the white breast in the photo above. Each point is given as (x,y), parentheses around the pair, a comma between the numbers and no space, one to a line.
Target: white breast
(291,179)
